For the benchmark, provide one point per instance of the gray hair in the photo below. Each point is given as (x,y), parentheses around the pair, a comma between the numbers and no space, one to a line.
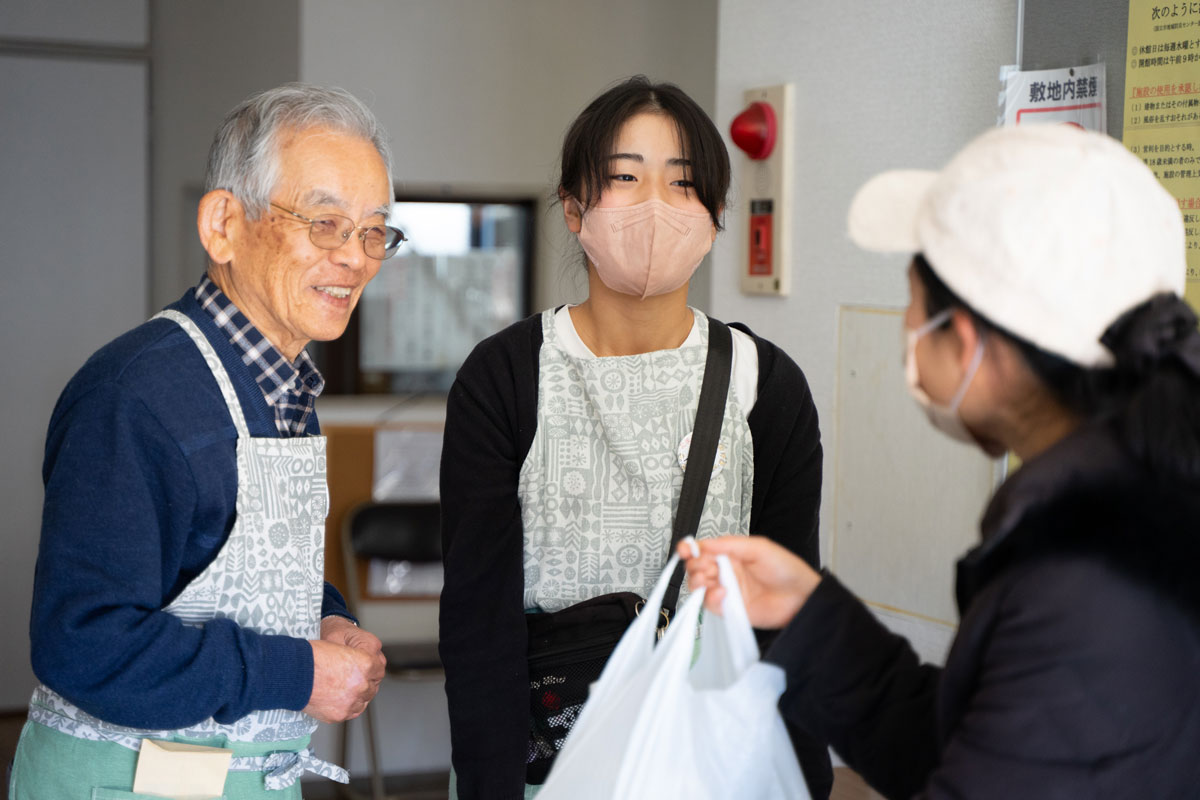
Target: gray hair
(243,157)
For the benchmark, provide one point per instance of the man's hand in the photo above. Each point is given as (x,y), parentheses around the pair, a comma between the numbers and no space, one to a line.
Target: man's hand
(340,630)
(348,666)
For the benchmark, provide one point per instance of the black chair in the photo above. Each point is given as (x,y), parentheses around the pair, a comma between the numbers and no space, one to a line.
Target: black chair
(395,532)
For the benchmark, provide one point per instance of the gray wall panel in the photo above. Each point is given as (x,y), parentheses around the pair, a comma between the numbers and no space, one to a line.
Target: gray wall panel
(122,23)
(73,220)
(1068,33)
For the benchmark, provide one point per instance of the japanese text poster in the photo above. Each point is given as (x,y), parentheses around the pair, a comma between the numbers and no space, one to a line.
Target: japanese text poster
(1162,107)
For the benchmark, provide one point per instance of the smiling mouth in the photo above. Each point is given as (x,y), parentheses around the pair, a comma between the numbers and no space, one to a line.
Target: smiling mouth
(338,292)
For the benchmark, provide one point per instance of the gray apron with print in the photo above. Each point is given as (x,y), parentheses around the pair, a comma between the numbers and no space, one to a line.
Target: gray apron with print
(600,484)
(268,577)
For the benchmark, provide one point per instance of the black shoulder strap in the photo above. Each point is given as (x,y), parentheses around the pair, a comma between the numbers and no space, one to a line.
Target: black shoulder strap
(706,433)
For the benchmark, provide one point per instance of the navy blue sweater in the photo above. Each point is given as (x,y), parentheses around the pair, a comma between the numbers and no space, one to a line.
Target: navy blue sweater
(141,483)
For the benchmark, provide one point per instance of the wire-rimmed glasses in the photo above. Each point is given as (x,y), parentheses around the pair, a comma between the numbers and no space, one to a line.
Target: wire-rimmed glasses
(330,231)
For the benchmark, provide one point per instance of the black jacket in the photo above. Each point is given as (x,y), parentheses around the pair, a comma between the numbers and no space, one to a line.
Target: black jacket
(1075,672)
(490,421)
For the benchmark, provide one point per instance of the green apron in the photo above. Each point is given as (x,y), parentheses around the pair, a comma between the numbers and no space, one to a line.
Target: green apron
(54,764)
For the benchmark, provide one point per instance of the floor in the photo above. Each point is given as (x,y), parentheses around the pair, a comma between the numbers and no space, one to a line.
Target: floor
(10,731)
(846,783)
(428,786)
(848,786)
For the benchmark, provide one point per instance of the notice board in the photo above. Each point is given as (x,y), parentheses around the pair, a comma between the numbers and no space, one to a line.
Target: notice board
(1069,32)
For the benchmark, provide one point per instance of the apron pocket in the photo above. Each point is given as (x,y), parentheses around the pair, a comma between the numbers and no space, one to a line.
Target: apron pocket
(119,794)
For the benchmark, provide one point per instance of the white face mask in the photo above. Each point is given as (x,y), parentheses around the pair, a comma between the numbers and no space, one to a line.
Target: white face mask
(943,417)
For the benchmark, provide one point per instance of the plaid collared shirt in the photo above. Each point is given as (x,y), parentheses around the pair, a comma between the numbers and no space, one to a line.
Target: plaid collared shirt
(290,389)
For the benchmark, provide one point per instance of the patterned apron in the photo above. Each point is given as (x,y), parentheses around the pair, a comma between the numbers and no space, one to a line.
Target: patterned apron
(268,577)
(600,484)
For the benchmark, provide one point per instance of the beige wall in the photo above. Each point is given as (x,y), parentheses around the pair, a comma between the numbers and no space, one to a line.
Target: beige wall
(207,56)
(73,218)
(878,84)
(477,95)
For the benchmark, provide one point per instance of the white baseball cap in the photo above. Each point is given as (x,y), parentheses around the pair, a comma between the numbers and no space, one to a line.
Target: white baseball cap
(1049,231)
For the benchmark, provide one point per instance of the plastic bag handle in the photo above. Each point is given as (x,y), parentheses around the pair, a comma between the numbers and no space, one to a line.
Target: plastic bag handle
(733,609)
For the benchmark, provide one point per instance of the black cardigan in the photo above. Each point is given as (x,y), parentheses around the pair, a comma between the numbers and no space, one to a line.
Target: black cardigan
(1075,671)
(490,421)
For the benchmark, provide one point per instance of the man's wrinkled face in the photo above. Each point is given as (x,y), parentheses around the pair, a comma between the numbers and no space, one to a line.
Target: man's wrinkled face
(290,289)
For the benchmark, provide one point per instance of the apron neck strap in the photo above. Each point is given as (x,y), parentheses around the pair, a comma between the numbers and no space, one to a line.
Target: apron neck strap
(215,366)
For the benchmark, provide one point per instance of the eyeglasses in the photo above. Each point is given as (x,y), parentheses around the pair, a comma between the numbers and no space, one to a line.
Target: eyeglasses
(330,231)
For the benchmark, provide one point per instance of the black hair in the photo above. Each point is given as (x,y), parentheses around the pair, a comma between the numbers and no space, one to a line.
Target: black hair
(1152,404)
(590,140)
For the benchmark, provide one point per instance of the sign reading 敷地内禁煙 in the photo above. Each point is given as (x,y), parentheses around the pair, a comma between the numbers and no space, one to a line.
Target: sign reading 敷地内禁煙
(1074,95)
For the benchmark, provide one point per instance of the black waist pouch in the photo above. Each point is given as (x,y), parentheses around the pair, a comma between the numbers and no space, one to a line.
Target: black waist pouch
(567,651)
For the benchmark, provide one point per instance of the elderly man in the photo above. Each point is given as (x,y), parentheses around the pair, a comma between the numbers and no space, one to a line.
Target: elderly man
(179,591)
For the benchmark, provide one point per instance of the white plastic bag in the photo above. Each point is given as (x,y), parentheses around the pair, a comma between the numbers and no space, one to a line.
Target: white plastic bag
(655,726)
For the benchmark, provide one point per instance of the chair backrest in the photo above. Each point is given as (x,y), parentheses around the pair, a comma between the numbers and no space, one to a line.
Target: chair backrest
(393,531)
(396,531)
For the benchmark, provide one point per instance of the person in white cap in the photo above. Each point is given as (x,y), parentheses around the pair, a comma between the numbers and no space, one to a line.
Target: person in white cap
(1046,319)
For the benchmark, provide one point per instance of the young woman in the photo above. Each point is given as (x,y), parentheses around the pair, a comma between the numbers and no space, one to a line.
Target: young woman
(1045,318)
(566,433)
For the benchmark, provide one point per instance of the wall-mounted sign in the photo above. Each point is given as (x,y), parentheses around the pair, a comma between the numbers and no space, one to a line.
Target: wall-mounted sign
(1073,94)
(1162,108)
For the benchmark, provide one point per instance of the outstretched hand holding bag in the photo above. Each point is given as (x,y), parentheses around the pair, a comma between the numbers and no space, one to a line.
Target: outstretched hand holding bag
(658,726)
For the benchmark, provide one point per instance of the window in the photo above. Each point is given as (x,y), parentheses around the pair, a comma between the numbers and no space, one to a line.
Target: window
(463,274)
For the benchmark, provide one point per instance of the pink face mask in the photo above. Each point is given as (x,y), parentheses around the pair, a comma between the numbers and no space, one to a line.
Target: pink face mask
(646,249)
